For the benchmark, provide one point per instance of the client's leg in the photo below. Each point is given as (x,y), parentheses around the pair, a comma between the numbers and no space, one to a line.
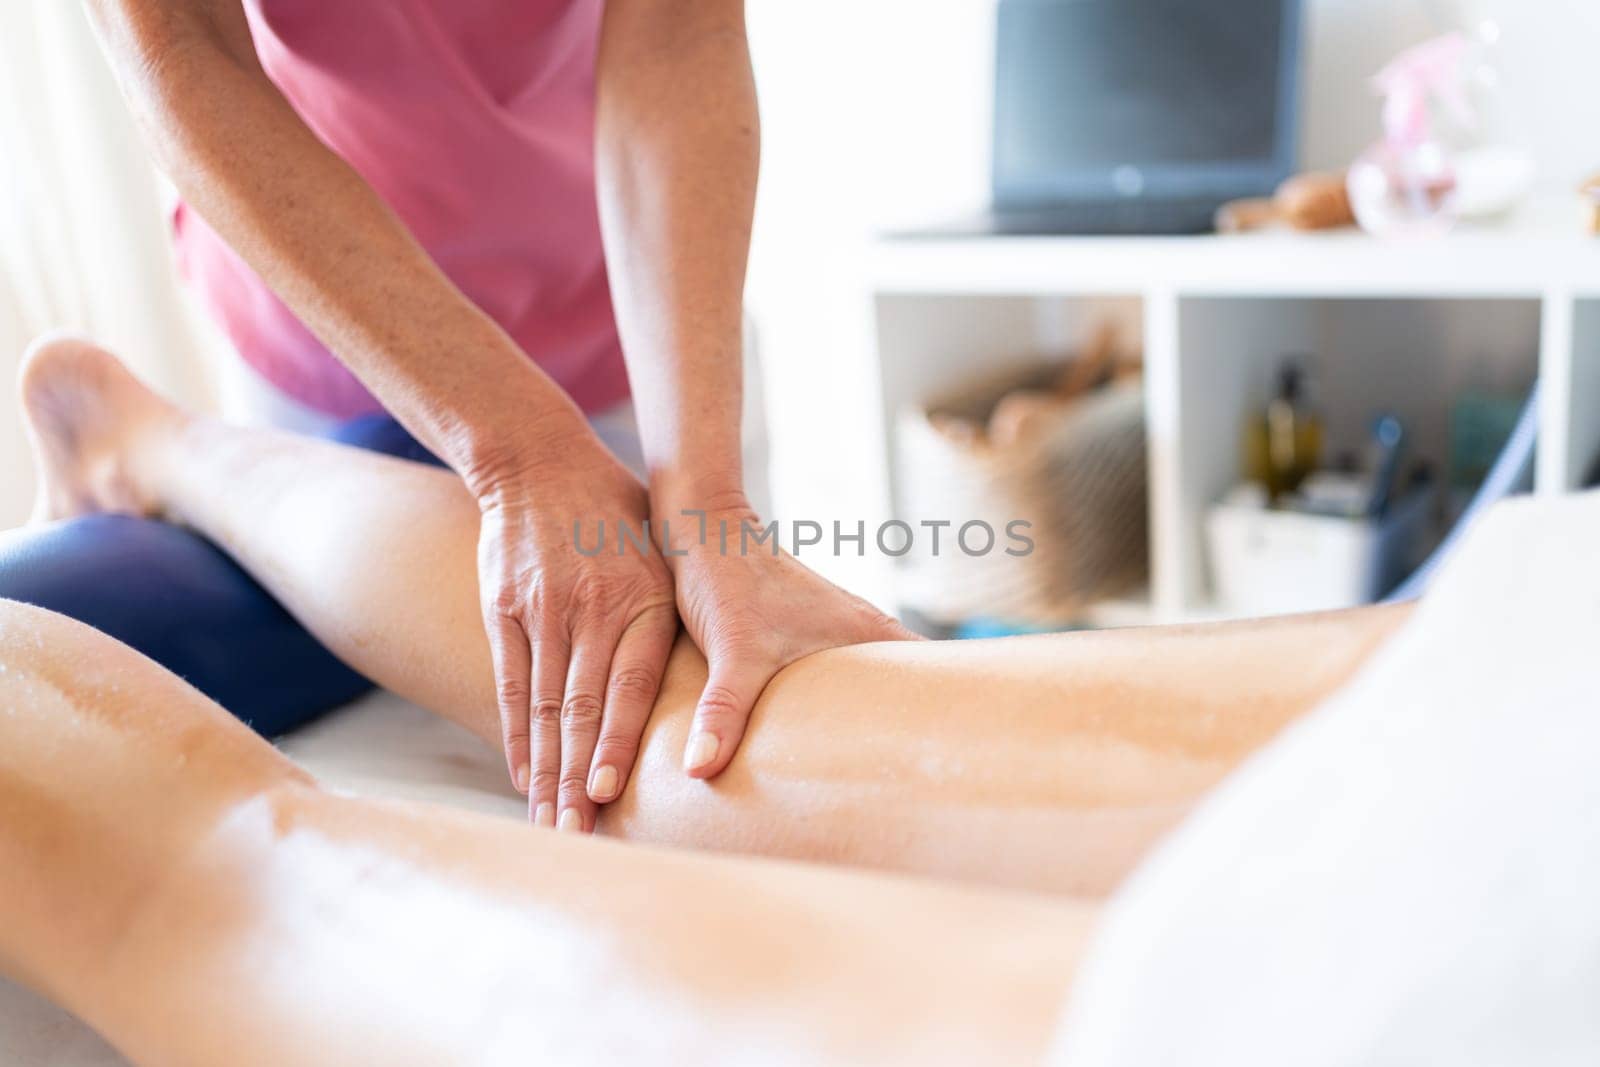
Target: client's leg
(193,896)
(956,759)
(169,593)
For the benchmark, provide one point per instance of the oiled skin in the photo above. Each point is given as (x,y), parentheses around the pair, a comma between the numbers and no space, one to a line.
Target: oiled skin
(955,759)
(175,882)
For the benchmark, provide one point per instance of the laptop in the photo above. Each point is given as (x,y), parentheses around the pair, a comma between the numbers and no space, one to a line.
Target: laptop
(1139,116)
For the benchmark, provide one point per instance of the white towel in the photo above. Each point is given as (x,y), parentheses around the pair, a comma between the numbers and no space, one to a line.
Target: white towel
(1412,874)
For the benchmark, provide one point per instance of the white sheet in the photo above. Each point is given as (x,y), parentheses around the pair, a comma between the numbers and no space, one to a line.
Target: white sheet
(1411,875)
(379,746)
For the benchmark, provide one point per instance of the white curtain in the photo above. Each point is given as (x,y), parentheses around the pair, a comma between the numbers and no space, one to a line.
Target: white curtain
(84,242)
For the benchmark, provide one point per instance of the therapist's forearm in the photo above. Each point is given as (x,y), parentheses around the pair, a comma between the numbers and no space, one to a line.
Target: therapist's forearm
(325,242)
(678,149)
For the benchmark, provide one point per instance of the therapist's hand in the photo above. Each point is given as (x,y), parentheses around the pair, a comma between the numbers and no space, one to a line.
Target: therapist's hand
(579,642)
(753,613)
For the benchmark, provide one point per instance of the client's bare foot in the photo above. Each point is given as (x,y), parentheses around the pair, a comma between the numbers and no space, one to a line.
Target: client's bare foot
(89,420)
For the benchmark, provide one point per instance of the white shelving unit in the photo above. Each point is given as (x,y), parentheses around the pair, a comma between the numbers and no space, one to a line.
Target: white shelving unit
(1388,325)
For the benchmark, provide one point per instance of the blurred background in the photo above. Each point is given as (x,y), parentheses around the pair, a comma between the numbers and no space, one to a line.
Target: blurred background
(980,291)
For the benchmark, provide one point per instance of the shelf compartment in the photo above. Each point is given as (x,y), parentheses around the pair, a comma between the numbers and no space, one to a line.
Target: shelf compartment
(1412,357)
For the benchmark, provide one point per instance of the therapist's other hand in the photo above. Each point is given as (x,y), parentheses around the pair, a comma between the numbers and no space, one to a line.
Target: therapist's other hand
(579,641)
(752,613)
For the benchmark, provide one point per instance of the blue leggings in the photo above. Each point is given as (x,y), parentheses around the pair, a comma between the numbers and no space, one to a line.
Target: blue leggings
(180,600)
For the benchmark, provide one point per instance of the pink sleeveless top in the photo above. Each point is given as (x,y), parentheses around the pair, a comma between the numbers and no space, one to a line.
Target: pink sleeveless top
(474,121)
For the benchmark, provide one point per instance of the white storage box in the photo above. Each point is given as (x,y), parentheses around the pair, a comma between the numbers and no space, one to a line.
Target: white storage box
(1267,562)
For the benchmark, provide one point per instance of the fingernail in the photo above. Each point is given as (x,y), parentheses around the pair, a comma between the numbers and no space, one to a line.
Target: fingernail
(603,784)
(570,821)
(522,777)
(544,815)
(701,751)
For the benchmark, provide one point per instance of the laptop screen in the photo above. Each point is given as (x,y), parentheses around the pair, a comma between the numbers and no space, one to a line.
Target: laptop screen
(1120,98)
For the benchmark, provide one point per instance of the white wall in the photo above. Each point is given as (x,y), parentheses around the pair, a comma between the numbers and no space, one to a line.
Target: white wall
(876,114)
(872,112)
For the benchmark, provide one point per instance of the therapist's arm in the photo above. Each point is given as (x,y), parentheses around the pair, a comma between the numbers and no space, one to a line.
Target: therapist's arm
(678,149)
(560,624)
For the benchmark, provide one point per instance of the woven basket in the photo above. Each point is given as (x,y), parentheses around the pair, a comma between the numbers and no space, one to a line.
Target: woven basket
(1012,449)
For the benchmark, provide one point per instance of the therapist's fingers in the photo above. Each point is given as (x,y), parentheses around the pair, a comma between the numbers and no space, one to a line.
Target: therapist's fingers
(593,646)
(551,652)
(733,686)
(508,649)
(635,679)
